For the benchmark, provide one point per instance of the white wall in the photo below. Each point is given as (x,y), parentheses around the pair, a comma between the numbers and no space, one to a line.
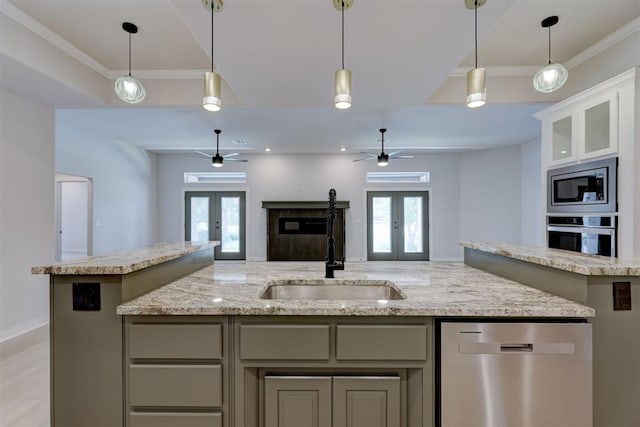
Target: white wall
(124,186)
(531,202)
(490,195)
(309,177)
(26,211)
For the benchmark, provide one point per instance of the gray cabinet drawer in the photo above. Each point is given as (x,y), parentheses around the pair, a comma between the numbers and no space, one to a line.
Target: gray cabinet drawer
(182,341)
(381,342)
(174,419)
(175,385)
(284,342)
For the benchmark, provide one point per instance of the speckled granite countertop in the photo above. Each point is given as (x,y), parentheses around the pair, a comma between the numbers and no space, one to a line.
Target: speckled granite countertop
(124,262)
(431,288)
(588,265)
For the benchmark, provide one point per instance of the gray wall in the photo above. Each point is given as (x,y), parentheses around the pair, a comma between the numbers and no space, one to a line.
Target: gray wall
(26,211)
(460,207)
(124,186)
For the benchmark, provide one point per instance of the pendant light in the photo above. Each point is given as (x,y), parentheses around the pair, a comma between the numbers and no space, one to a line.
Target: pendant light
(476,77)
(383,158)
(552,76)
(212,100)
(217,160)
(342,98)
(128,88)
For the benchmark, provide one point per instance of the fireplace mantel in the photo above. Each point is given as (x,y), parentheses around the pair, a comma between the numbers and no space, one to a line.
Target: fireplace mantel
(302,204)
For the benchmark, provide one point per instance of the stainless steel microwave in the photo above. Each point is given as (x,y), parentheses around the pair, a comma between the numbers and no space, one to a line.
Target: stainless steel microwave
(583,188)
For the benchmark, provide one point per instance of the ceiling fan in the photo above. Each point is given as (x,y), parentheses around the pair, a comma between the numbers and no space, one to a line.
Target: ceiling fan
(383,158)
(217,159)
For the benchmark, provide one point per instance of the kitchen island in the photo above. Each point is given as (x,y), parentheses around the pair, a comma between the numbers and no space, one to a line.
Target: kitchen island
(275,359)
(193,343)
(610,286)
(86,334)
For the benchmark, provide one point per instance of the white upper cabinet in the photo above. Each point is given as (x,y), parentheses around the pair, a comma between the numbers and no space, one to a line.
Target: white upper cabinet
(561,131)
(598,122)
(581,130)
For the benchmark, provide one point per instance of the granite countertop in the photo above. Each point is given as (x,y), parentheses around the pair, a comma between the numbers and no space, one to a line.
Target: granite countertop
(431,288)
(588,265)
(124,262)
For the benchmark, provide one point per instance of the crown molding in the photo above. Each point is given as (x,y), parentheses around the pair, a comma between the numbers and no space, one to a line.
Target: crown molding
(37,28)
(604,44)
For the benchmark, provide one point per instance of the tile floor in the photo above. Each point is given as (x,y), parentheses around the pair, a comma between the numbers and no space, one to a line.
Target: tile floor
(24,380)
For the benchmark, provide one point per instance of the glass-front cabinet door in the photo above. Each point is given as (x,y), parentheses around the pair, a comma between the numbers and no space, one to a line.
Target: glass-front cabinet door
(217,216)
(397,225)
(563,138)
(599,126)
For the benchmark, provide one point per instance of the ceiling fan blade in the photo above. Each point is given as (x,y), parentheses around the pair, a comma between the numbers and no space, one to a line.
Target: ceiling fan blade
(231,155)
(236,160)
(395,152)
(202,153)
(401,157)
(365,158)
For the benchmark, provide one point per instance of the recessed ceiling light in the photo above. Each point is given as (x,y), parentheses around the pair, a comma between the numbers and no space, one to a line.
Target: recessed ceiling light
(343,149)
(267,149)
(563,152)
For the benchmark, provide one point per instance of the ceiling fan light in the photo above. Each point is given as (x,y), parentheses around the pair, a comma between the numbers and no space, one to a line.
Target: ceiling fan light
(129,89)
(383,159)
(342,99)
(550,77)
(212,100)
(217,160)
(476,87)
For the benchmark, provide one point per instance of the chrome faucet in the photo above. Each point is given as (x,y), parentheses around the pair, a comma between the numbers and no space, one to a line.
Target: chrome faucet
(331,264)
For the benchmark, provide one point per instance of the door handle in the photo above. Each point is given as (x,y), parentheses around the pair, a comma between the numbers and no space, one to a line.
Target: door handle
(516,348)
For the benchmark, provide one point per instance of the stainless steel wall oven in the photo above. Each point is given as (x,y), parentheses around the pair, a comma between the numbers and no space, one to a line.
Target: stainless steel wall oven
(595,235)
(583,188)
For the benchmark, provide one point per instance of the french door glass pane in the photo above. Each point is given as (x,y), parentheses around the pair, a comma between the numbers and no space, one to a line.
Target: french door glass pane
(230,224)
(199,219)
(413,224)
(382,224)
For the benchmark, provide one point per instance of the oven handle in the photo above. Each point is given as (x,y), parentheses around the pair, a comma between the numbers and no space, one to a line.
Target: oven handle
(590,230)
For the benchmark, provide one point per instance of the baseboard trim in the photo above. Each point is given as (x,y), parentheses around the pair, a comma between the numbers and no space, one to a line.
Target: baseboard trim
(23,328)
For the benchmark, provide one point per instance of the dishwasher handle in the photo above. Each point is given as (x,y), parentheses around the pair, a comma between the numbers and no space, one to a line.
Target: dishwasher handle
(516,348)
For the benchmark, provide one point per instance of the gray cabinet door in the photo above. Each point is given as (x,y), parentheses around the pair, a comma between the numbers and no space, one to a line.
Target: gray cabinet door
(291,401)
(366,401)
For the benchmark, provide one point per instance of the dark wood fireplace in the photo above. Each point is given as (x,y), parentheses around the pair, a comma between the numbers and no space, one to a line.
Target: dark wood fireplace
(297,231)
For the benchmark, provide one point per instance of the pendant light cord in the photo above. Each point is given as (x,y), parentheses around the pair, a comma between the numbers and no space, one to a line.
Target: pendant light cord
(476,31)
(382,140)
(217,141)
(212,7)
(343,34)
(129,54)
(549,44)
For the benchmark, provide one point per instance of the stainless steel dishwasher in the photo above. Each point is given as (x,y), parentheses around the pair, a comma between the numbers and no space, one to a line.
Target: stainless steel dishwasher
(515,374)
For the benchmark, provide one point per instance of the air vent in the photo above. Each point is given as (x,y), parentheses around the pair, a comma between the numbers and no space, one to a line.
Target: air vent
(398,177)
(215,177)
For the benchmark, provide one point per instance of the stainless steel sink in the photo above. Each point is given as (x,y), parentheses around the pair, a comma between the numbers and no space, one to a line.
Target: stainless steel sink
(332,290)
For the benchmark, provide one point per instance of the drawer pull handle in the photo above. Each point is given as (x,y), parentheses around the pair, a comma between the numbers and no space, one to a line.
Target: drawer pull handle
(516,348)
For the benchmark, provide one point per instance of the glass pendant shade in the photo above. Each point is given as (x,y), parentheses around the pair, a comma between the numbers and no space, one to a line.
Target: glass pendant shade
(129,89)
(343,89)
(476,87)
(212,100)
(550,78)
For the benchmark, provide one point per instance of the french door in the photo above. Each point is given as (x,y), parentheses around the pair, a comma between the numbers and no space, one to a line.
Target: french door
(211,215)
(398,225)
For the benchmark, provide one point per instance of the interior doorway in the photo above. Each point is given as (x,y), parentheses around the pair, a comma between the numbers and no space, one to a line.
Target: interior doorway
(398,225)
(74,217)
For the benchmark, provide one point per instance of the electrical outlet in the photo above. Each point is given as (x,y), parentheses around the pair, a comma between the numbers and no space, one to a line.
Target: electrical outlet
(621,295)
